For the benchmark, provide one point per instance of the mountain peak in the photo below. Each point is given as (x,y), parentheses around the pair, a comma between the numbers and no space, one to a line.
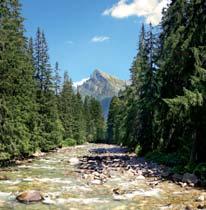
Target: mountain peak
(103,87)
(97,74)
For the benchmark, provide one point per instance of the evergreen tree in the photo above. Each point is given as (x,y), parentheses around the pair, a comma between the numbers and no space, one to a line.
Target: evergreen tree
(66,107)
(97,120)
(49,121)
(17,87)
(79,131)
(87,117)
(187,103)
(57,79)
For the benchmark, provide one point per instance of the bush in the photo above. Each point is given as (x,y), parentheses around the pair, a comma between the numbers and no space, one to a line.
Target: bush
(171,159)
(69,142)
(200,170)
(138,150)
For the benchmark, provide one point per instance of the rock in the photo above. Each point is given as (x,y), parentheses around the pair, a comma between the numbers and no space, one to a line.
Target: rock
(201,206)
(188,208)
(74,161)
(30,196)
(96,181)
(18,162)
(177,177)
(200,198)
(3,177)
(118,191)
(168,206)
(165,174)
(154,183)
(182,184)
(38,154)
(29,160)
(191,179)
(140,177)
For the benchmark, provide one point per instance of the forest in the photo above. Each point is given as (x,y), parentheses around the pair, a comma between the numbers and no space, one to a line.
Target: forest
(38,112)
(162,115)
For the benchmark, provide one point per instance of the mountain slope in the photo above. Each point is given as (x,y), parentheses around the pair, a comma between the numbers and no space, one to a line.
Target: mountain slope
(103,87)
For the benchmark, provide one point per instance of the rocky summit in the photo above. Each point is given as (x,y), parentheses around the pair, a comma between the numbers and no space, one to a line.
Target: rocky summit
(103,87)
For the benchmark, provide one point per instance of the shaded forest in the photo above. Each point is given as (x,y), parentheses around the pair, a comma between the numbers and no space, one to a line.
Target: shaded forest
(163,113)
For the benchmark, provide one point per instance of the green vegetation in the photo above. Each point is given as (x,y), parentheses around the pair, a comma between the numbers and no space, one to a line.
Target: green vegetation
(37,112)
(163,112)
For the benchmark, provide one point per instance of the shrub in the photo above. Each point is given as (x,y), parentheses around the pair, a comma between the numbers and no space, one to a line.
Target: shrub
(69,142)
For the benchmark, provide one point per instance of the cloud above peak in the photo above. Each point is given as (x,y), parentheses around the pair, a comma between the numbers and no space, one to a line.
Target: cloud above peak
(100,38)
(150,9)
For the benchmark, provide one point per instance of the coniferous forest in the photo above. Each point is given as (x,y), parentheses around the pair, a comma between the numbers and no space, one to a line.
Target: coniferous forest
(163,113)
(39,110)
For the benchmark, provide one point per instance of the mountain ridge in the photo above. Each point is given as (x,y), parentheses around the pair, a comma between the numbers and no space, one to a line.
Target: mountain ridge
(101,86)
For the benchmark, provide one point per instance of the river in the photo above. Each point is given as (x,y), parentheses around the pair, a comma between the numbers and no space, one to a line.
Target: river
(102,177)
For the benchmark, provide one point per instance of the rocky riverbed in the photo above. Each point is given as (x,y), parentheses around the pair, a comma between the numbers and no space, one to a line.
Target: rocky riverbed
(103,177)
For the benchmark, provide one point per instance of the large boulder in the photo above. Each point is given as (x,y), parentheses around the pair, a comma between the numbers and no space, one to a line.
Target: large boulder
(190,179)
(30,196)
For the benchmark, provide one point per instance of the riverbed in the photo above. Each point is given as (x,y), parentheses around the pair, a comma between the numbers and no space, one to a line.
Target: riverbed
(94,176)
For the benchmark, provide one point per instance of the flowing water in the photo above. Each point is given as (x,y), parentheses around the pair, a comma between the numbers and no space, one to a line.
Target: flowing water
(67,183)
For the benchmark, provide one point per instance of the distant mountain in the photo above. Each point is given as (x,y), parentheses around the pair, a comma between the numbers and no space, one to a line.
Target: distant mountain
(102,86)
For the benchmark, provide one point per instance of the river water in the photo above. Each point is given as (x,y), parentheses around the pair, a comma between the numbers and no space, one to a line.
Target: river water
(92,177)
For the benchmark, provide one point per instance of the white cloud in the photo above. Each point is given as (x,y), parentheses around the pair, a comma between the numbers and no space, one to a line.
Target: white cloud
(100,38)
(150,9)
(81,82)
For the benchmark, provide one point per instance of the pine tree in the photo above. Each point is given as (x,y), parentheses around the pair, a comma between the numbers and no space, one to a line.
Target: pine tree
(57,79)
(112,121)
(66,107)
(87,117)
(97,120)
(17,87)
(49,122)
(187,106)
(79,131)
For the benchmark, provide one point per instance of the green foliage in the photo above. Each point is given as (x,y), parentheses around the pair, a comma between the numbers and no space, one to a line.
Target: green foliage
(165,106)
(69,142)
(17,87)
(35,112)
(171,159)
(138,150)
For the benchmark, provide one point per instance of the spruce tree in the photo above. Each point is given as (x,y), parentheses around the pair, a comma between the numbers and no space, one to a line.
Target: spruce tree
(66,107)
(17,87)
(57,79)
(49,122)
(79,131)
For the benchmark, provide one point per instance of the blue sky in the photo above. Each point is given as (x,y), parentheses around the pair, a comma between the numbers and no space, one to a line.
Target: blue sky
(87,34)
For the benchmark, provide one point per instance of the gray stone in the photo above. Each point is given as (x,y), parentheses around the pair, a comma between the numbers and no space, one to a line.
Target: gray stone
(177,177)
(191,179)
